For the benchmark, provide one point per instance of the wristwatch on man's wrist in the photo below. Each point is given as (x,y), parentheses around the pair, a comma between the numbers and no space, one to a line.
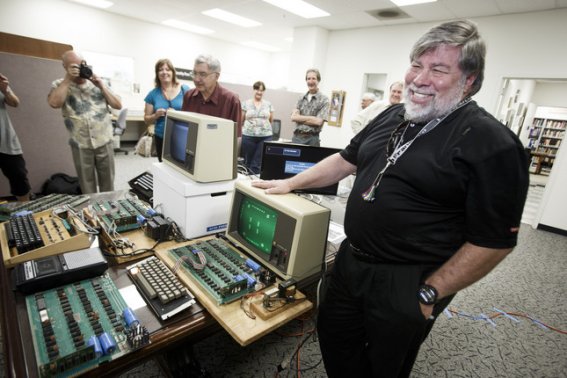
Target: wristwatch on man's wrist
(427,294)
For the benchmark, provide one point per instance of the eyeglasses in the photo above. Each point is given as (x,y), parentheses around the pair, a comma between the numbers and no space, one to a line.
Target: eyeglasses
(200,75)
(396,138)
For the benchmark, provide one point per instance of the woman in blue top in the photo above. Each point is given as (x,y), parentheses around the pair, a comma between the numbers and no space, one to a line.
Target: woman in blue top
(167,94)
(258,115)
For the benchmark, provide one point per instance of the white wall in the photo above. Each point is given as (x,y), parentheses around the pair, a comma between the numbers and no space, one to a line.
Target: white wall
(551,94)
(521,45)
(89,29)
(529,45)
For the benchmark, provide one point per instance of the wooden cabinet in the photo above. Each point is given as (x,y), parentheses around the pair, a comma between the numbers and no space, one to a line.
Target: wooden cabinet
(545,137)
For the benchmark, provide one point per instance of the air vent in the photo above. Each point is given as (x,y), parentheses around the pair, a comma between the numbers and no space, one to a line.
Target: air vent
(388,14)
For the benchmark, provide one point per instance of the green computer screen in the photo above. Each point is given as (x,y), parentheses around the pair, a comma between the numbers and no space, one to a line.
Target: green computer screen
(257,224)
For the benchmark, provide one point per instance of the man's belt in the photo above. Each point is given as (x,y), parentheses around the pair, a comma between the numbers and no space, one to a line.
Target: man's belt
(361,255)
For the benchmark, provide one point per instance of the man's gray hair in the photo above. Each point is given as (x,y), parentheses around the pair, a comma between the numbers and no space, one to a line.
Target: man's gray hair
(464,34)
(396,83)
(369,96)
(212,62)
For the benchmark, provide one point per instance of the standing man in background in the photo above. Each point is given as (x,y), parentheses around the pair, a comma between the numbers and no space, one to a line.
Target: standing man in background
(84,100)
(209,97)
(367,99)
(372,110)
(12,160)
(311,112)
(436,205)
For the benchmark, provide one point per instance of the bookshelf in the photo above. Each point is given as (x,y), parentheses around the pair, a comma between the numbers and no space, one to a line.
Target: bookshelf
(545,136)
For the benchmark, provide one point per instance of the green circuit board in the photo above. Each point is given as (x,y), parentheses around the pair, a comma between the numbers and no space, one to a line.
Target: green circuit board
(225,276)
(121,215)
(65,320)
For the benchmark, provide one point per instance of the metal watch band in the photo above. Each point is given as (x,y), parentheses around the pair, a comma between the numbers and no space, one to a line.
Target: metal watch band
(427,294)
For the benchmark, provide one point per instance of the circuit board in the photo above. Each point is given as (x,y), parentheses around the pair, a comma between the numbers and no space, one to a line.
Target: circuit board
(78,326)
(50,201)
(223,273)
(121,215)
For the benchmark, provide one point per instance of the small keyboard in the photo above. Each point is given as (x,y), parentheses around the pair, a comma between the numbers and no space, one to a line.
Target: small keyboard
(143,186)
(161,289)
(23,233)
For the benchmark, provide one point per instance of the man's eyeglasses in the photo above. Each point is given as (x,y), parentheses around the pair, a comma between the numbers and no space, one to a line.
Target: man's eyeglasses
(395,137)
(395,140)
(200,75)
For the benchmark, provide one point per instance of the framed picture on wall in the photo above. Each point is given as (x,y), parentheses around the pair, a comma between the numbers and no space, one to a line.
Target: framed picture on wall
(336,109)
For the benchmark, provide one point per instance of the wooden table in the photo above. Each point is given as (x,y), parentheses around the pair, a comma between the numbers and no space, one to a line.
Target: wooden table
(199,321)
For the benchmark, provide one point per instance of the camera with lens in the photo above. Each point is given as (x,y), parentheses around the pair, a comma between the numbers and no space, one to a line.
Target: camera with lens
(86,72)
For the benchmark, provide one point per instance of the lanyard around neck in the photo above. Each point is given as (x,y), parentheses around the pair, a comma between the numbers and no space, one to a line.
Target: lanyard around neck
(401,148)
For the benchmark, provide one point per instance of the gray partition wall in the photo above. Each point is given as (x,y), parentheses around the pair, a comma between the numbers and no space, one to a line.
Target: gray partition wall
(40,128)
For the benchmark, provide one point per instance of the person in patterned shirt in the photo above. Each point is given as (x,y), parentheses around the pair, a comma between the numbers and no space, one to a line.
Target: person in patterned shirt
(84,104)
(311,112)
(258,115)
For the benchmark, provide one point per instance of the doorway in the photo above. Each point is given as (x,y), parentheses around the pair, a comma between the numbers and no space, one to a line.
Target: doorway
(526,106)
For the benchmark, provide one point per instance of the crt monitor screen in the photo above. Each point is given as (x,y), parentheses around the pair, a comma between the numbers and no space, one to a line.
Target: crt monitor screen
(178,140)
(286,233)
(284,160)
(257,224)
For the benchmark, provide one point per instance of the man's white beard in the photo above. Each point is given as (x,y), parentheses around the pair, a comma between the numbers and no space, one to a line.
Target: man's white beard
(438,107)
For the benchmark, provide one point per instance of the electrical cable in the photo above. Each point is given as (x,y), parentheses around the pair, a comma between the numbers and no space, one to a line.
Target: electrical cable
(508,314)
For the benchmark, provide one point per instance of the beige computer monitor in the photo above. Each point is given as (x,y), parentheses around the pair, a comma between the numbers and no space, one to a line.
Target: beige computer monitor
(201,147)
(285,233)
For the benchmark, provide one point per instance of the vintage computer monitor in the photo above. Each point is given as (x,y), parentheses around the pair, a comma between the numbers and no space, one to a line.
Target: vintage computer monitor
(286,233)
(202,147)
(283,160)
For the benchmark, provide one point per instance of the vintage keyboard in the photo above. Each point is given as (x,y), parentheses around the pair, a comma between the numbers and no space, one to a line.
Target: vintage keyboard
(24,234)
(143,186)
(161,289)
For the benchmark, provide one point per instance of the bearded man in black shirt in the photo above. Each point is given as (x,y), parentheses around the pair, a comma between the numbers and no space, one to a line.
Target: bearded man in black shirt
(436,205)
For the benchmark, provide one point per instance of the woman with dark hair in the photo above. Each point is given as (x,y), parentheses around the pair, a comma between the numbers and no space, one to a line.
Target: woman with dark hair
(258,116)
(167,94)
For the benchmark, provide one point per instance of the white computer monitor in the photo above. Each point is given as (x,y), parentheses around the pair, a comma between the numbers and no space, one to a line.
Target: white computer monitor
(202,147)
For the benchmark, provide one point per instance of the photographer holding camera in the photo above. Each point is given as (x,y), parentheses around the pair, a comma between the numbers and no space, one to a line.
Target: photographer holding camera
(84,100)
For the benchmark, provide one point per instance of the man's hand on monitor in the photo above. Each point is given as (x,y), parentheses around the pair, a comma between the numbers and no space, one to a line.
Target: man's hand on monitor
(273,186)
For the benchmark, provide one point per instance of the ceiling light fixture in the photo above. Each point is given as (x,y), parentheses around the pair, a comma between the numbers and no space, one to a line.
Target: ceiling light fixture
(260,46)
(231,17)
(403,3)
(95,3)
(187,27)
(299,7)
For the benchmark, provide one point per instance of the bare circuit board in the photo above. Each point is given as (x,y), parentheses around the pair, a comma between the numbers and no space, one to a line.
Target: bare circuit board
(121,215)
(78,326)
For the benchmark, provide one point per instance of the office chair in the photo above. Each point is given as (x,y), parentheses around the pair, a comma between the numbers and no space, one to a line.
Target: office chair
(118,128)
(276,129)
